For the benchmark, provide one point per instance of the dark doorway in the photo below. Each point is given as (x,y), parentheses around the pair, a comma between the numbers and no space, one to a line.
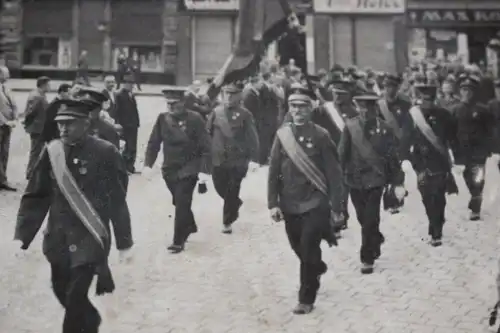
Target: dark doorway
(478,39)
(293,46)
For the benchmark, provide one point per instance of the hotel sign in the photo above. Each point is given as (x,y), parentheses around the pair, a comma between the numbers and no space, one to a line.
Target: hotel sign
(359,6)
(211,4)
(457,17)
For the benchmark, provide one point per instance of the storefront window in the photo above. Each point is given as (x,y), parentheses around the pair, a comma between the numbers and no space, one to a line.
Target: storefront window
(149,57)
(41,51)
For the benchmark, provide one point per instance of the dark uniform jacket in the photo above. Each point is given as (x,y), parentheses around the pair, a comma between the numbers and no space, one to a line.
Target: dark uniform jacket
(238,150)
(100,173)
(400,109)
(384,169)
(186,144)
(105,131)
(424,156)
(321,118)
(289,188)
(448,103)
(475,132)
(35,113)
(126,114)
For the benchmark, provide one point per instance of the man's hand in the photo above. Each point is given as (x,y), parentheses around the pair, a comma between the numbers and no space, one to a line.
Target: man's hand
(458,169)
(252,166)
(276,214)
(203,177)
(400,192)
(20,249)
(11,123)
(125,256)
(406,166)
(338,217)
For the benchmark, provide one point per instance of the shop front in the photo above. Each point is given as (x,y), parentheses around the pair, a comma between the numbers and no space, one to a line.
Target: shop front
(212,25)
(47,40)
(366,33)
(458,31)
(137,32)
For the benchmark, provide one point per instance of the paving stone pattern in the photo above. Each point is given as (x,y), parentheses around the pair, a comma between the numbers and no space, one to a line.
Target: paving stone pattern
(247,282)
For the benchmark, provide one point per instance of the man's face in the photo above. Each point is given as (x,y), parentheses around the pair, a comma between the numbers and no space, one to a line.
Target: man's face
(391,90)
(71,131)
(65,94)
(110,84)
(45,87)
(447,88)
(300,112)
(466,94)
(175,108)
(233,98)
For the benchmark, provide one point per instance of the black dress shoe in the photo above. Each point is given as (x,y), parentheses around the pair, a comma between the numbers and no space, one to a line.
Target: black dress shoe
(302,309)
(7,187)
(175,248)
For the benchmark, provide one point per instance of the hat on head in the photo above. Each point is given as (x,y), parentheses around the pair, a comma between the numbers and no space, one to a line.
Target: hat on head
(299,98)
(392,80)
(234,87)
(72,109)
(340,86)
(298,88)
(91,94)
(174,94)
(42,80)
(468,81)
(366,98)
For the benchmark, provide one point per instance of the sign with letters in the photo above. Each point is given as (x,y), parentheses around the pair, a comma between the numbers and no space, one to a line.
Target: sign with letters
(360,6)
(212,4)
(457,17)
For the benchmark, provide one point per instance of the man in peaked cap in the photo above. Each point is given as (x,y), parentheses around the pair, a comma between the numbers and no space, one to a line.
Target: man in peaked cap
(102,125)
(77,240)
(305,198)
(395,111)
(431,137)
(127,115)
(235,150)
(368,153)
(186,159)
(475,139)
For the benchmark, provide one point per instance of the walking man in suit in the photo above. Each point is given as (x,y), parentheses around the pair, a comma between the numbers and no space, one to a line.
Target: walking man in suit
(8,120)
(109,91)
(34,119)
(127,115)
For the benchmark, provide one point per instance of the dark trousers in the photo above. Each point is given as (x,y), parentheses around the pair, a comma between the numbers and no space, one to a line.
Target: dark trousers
(130,149)
(304,233)
(474,176)
(5,132)
(433,191)
(182,197)
(36,147)
(367,205)
(227,183)
(71,287)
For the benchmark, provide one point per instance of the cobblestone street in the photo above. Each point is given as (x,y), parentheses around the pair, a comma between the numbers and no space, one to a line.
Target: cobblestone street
(247,282)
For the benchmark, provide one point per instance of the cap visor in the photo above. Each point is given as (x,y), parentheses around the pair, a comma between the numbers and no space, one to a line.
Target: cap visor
(339,91)
(65,118)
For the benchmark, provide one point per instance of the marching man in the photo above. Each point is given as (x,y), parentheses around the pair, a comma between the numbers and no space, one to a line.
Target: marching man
(305,190)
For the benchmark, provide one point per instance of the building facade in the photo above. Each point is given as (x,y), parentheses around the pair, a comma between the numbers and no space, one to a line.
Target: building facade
(453,30)
(52,34)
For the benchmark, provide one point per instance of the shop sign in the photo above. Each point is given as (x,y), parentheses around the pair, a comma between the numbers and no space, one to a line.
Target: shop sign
(454,16)
(360,6)
(211,4)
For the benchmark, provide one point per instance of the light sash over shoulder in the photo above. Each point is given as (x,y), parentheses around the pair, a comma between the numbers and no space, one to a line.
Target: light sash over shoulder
(76,199)
(334,115)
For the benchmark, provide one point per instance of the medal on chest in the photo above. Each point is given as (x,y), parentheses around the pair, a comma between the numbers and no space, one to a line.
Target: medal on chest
(309,143)
(182,124)
(82,166)
(235,115)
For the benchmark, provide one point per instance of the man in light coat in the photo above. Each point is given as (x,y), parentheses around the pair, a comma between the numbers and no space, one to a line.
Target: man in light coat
(8,120)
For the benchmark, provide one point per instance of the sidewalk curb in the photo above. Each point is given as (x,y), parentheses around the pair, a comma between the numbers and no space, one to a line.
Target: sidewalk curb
(138,93)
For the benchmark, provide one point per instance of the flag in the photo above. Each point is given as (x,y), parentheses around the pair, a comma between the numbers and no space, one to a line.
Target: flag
(258,26)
